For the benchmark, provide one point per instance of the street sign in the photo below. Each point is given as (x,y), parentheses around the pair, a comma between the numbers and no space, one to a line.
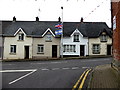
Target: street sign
(114,22)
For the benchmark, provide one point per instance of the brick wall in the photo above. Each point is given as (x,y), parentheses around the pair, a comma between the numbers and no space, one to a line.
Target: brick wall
(116,32)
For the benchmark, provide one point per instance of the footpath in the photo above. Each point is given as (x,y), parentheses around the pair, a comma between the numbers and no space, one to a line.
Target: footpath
(104,76)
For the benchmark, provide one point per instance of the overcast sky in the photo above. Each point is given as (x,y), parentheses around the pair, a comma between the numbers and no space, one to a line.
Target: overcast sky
(50,10)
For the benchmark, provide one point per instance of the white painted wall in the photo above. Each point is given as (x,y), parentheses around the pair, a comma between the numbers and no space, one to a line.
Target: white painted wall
(69,41)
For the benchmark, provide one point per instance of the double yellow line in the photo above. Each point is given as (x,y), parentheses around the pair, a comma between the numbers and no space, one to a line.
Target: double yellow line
(81,80)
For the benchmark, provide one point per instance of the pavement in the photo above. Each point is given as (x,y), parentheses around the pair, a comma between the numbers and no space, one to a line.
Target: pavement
(104,76)
(49,59)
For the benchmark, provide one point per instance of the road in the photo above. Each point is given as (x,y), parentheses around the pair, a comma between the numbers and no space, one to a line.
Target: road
(47,74)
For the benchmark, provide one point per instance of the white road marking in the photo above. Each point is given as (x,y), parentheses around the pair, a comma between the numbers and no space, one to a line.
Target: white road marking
(17,70)
(51,62)
(75,67)
(38,63)
(95,60)
(106,59)
(8,64)
(22,77)
(85,67)
(89,60)
(56,62)
(44,69)
(65,68)
(55,68)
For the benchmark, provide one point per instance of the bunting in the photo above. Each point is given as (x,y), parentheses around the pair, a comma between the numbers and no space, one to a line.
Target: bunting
(94,9)
(59,27)
(59,32)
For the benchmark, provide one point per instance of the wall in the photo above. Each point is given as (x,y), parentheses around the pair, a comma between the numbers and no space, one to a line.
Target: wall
(20,50)
(116,32)
(1,52)
(69,41)
(47,47)
(103,45)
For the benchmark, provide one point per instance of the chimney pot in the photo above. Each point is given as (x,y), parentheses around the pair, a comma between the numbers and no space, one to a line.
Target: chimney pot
(14,18)
(59,19)
(81,19)
(37,18)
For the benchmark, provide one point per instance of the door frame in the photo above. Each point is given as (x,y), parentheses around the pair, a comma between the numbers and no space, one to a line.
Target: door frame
(110,48)
(54,55)
(83,46)
(26,57)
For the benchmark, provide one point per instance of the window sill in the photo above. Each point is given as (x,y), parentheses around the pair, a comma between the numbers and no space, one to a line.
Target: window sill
(48,41)
(76,41)
(96,53)
(20,40)
(69,52)
(40,53)
(12,53)
(103,41)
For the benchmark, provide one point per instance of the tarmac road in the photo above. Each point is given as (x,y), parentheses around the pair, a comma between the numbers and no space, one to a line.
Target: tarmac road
(47,74)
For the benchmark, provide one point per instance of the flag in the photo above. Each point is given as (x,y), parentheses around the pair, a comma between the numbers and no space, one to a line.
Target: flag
(58,26)
(58,32)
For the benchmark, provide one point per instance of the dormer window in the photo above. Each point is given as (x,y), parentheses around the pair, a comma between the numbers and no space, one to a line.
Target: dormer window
(20,36)
(48,38)
(103,37)
(76,37)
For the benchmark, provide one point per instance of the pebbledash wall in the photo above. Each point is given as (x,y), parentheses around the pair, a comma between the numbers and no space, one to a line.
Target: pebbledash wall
(116,31)
(20,47)
(103,45)
(47,53)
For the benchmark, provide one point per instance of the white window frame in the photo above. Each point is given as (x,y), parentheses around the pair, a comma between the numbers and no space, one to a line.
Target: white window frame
(48,38)
(69,48)
(40,48)
(76,37)
(96,48)
(13,49)
(20,36)
(104,38)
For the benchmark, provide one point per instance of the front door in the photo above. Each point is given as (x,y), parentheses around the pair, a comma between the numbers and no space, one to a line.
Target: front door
(109,49)
(54,51)
(82,50)
(26,52)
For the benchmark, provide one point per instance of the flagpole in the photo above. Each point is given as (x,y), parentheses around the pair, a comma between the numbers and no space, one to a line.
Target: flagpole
(62,35)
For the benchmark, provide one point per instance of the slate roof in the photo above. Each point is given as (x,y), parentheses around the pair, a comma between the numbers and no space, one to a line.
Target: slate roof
(37,28)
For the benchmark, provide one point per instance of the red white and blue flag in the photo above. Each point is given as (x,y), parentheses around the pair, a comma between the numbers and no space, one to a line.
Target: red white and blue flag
(58,26)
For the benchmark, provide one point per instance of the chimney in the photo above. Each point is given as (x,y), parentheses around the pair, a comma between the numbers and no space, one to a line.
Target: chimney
(14,19)
(37,18)
(59,19)
(81,19)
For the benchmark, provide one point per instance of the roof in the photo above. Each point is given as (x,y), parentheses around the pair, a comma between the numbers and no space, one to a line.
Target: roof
(94,29)
(37,28)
